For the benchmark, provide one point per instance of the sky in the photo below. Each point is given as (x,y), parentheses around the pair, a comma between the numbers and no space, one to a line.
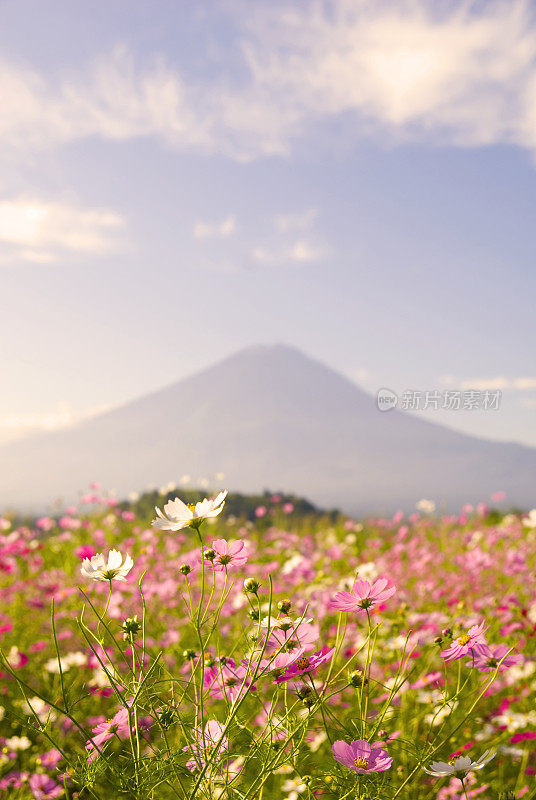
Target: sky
(178,180)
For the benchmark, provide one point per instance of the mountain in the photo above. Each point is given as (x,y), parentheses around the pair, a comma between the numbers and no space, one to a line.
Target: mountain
(269,417)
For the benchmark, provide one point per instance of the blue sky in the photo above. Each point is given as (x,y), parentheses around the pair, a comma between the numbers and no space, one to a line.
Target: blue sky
(181,180)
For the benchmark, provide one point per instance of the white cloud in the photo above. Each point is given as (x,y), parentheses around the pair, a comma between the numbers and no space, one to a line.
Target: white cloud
(40,231)
(492,384)
(210,230)
(17,426)
(110,99)
(297,221)
(300,252)
(409,70)
(460,74)
(304,252)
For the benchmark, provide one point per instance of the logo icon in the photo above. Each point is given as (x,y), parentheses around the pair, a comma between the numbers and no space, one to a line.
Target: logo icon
(386,399)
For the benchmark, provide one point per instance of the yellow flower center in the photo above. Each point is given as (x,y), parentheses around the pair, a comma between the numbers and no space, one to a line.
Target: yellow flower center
(362,763)
(464,639)
(303,662)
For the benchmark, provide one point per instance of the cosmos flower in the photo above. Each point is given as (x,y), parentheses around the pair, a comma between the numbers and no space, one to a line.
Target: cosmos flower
(207,740)
(362,757)
(277,663)
(229,554)
(43,787)
(289,634)
(487,659)
(458,766)
(363,595)
(98,569)
(466,643)
(117,726)
(227,680)
(306,664)
(178,515)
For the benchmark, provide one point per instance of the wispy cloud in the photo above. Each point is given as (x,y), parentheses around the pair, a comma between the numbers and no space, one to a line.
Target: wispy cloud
(296,221)
(460,73)
(498,382)
(210,230)
(299,252)
(40,231)
(17,426)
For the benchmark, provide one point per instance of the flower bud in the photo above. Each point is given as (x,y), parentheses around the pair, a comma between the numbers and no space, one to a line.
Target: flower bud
(357,679)
(189,654)
(253,614)
(130,628)
(284,606)
(210,555)
(166,717)
(185,569)
(251,586)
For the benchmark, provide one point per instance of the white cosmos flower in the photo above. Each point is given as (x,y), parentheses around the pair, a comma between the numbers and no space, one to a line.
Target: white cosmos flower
(178,515)
(18,743)
(98,569)
(459,766)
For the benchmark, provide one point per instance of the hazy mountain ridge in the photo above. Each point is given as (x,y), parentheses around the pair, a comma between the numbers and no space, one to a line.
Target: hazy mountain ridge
(269,417)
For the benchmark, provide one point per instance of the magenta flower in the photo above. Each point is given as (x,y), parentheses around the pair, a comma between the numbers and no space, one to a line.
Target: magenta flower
(43,787)
(361,757)
(363,595)
(466,643)
(304,665)
(486,659)
(229,554)
(85,551)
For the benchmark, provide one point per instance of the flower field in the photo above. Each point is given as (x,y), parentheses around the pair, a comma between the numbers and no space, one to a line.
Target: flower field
(197,653)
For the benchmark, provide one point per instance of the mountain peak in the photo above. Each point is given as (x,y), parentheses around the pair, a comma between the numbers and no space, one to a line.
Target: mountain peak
(268,416)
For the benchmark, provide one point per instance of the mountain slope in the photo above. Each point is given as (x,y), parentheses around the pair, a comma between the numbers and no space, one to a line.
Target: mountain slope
(269,417)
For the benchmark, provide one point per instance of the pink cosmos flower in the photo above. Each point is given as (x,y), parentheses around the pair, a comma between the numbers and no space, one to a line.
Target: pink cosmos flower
(85,551)
(50,759)
(363,595)
(43,787)
(227,680)
(207,740)
(362,757)
(466,643)
(278,663)
(486,659)
(13,779)
(229,554)
(290,634)
(306,664)
(522,737)
(117,726)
